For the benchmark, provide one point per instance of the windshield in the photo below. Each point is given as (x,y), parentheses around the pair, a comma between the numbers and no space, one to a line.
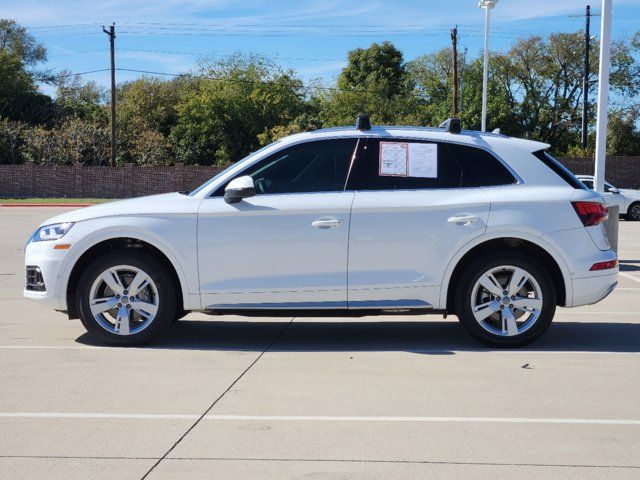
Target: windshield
(213,179)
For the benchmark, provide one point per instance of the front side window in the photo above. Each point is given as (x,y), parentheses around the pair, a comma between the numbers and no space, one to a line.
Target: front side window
(319,166)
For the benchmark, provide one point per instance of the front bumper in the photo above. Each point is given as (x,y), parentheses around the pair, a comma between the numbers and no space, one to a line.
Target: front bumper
(49,261)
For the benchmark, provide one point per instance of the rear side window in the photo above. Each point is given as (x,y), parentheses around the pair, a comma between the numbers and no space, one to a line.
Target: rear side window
(485,168)
(368,174)
(562,171)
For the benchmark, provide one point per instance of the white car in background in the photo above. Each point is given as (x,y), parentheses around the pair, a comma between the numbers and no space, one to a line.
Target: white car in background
(628,200)
(340,222)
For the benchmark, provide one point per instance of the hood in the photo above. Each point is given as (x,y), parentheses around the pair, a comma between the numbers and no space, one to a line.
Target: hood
(166,203)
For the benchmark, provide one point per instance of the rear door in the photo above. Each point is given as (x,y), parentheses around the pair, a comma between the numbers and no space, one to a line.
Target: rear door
(406,224)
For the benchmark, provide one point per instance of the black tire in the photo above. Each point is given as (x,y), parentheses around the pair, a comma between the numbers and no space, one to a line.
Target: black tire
(464,292)
(633,212)
(167,303)
(181,314)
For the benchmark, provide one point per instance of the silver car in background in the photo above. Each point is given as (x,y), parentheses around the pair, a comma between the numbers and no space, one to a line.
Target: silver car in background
(627,199)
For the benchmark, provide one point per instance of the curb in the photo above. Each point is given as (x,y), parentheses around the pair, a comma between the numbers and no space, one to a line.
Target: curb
(46,204)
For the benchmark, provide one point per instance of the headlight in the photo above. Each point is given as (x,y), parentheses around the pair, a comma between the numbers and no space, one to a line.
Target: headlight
(51,232)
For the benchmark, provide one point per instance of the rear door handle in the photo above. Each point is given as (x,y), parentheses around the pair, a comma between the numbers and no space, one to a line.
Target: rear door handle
(463,219)
(326,223)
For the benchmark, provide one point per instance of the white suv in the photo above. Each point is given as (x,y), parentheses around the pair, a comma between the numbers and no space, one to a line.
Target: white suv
(340,222)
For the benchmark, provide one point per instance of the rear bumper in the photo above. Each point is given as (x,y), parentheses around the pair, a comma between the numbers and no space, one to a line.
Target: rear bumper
(592,289)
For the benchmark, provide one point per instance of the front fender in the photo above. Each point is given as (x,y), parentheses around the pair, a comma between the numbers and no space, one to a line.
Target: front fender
(174,236)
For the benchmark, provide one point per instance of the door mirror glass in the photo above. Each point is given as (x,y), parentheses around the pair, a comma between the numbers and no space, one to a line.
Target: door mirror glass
(613,190)
(239,188)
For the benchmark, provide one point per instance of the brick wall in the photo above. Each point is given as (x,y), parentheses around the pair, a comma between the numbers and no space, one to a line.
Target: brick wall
(78,181)
(623,172)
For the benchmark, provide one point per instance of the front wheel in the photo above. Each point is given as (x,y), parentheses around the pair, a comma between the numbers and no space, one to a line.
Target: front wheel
(505,299)
(126,298)
(634,212)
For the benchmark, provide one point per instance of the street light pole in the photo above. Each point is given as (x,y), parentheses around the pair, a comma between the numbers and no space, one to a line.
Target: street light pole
(487,5)
(603,96)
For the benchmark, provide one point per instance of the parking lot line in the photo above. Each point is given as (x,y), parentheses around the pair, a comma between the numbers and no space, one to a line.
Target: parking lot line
(629,276)
(320,418)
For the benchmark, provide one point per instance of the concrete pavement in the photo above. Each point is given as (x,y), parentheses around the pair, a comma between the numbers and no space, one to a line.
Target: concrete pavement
(369,398)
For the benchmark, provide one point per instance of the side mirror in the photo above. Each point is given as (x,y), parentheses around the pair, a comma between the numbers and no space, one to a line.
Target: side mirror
(614,190)
(239,188)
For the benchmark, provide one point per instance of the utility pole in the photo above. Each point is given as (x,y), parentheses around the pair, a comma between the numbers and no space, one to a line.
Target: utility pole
(585,84)
(112,37)
(454,46)
(603,96)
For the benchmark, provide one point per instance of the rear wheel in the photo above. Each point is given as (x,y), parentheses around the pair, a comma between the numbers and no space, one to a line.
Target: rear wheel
(126,298)
(506,299)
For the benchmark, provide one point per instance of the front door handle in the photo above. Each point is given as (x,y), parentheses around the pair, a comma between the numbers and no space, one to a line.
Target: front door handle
(463,219)
(326,223)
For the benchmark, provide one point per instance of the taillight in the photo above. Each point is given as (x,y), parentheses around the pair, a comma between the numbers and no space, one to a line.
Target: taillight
(591,213)
(604,265)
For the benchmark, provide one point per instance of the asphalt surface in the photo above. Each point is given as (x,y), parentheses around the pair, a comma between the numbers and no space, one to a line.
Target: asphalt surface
(373,398)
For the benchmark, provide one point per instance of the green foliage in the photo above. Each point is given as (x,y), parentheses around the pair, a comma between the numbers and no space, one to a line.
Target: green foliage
(623,137)
(226,109)
(76,98)
(19,96)
(374,81)
(11,141)
(74,141)
(229,104)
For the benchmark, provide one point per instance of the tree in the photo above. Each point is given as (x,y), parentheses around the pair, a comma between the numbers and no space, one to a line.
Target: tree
(16,41)
(379,69)
(374,81)
(542,83)
(228,104)
(80,99)
(623,137)
(19,96)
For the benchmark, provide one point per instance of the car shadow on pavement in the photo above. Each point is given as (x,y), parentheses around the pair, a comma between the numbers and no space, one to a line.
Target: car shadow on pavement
(437,338)
(629,265)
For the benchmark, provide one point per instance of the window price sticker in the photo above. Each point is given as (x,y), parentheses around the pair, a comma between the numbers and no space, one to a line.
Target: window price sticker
(408,160)
(393,159)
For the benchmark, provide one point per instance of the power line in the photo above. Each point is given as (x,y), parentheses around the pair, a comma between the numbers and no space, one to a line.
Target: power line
(66,75)
(77,53)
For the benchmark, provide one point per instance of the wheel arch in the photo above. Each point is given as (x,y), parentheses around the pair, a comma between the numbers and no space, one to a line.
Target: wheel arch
(543,253)
(120,242)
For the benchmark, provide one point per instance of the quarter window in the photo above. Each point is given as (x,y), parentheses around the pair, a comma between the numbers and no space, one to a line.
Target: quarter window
(485,168)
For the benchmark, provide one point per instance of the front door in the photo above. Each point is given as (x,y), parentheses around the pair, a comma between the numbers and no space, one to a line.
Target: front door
(286,247)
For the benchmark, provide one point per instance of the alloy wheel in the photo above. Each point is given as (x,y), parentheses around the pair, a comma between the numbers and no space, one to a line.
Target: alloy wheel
(124,300)
(506,301)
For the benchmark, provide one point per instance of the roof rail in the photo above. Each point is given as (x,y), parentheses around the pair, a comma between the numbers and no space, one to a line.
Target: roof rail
(452,125)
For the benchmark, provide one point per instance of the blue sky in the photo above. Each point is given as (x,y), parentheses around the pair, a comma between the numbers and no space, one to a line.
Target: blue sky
(312,36)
